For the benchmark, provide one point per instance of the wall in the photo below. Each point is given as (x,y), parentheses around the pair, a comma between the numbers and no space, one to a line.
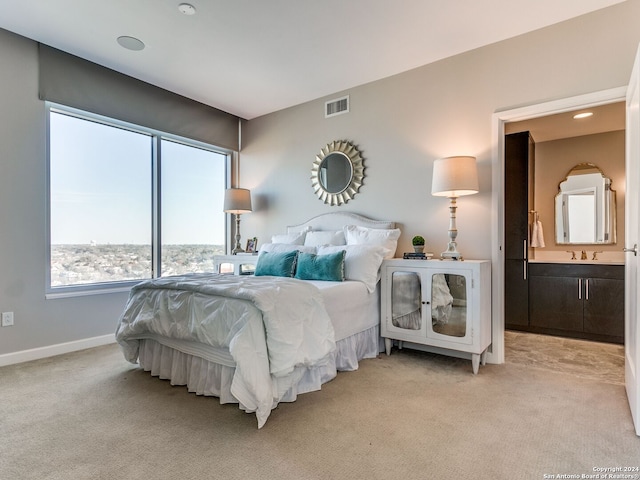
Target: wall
(38,322)
(554,159)
(402,124)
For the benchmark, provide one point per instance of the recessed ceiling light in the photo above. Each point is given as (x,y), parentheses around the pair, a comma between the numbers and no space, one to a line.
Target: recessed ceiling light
(187,9)
(130,43)
(582,115)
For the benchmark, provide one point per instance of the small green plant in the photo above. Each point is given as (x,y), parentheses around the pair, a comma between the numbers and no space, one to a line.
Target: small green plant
(417,241)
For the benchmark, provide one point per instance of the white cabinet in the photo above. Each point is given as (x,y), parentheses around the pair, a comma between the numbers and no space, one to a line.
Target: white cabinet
(438,305)
(235,264)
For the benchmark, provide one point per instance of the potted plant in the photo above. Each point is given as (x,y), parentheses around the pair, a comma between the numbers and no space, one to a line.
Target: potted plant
(418,243)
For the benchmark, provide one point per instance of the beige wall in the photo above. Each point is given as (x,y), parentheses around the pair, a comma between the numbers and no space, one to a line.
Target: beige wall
(556,158)
(403,123)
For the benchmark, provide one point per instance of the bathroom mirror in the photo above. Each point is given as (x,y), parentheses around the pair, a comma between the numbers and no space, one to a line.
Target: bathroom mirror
(585,208)
(337,172)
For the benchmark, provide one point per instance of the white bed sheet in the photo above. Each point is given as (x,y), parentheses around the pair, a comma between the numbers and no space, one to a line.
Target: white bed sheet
(350,306)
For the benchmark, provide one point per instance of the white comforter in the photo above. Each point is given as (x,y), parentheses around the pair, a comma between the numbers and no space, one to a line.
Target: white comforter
(270,325)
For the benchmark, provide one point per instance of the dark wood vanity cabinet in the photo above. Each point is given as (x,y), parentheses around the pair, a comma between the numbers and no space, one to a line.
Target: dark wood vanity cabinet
(577,300)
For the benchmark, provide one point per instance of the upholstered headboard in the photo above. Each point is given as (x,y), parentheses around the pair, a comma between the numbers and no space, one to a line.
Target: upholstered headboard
(337,220)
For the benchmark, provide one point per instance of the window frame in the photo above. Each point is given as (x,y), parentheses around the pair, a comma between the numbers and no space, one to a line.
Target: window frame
(156,136)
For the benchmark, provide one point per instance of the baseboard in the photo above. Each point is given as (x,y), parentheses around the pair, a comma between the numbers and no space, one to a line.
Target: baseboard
(52,350)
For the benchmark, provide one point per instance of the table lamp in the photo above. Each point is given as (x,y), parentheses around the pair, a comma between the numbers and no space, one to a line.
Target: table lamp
(237,201)
(454,177)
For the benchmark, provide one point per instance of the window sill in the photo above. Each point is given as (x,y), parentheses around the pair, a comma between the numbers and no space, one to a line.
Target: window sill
(68,292)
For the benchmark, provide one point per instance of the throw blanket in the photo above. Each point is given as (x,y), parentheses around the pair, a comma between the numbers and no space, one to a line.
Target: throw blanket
(270,325)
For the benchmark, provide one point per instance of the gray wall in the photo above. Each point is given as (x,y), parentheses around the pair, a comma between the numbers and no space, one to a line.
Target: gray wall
(401,123)
(38,322)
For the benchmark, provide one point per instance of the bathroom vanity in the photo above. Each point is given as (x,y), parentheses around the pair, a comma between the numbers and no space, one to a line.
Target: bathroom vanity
(580,300)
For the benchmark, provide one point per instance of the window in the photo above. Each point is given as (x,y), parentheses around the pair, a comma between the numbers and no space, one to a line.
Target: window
(127,203)
(193,181)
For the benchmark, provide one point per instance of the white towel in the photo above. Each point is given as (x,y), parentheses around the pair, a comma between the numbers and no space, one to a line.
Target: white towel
(537,234)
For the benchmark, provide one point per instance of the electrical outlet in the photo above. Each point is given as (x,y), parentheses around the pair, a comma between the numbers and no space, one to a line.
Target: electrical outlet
(7,319)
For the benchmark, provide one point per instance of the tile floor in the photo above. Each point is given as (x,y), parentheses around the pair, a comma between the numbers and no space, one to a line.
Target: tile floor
(586,359)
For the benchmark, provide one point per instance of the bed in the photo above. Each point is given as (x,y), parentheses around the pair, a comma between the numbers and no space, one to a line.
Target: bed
(266,338)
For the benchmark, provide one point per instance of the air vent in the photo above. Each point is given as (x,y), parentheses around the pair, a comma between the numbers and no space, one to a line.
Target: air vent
(336,107)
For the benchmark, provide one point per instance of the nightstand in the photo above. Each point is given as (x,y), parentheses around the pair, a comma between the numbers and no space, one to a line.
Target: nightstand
(438,306)
(235,264)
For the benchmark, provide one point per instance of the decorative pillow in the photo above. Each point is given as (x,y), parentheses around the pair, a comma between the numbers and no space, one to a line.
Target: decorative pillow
(328,267)
(361,262)
(387,238)
(325,238)
(285,247)
(276,264)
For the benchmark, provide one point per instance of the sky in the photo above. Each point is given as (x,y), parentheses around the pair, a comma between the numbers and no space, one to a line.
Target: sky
(101,187)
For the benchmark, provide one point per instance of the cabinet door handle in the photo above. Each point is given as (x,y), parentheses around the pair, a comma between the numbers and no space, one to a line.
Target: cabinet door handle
(579,289)
(524,269)
(524,251)
(586,289)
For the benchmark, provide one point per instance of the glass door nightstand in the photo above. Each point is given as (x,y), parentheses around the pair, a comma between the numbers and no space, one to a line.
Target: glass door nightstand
(438,306)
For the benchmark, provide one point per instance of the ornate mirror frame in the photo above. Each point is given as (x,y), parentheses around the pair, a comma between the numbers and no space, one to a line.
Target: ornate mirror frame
(585,203)
(346,191)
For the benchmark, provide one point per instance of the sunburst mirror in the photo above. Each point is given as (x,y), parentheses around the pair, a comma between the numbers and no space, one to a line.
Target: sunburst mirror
(337,172)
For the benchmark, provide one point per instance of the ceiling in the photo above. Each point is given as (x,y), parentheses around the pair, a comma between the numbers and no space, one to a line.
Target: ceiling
(253,57)
(605,118)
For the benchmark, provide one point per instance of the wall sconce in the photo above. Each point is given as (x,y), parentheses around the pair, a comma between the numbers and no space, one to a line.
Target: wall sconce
(237,201)
(454,177)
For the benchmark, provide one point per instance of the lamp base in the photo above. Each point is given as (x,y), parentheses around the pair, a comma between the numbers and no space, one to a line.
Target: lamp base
(237,249)
(451,256)
(451,252)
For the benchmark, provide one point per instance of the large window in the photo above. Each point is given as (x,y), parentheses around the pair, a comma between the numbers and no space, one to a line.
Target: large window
(127,203)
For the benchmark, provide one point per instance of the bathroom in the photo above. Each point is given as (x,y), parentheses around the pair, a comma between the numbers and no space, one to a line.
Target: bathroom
(536,275)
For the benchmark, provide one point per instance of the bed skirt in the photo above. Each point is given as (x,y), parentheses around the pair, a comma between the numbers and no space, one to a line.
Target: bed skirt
(206,377)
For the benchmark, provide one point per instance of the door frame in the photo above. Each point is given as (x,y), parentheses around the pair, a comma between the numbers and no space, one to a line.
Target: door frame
(603,97)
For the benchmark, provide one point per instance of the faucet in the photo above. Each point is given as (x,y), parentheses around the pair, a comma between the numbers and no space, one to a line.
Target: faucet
(595,255)
(584,255)
(573,254)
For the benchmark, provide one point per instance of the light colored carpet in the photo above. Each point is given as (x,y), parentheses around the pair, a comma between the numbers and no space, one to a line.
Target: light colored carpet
(411,415)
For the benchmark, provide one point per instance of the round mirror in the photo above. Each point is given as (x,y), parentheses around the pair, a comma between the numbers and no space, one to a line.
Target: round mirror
(337,173)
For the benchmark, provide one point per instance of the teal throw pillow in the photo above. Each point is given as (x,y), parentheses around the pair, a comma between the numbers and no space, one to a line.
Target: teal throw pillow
(328,267)
(277,264)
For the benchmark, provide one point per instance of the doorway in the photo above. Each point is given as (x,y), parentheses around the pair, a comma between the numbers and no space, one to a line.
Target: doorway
(548,324)
(500,120)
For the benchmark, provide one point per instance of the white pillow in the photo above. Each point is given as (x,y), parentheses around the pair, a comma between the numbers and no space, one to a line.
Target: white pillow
(329,237)
(387,238)
(290,238)
(285,247)
(294,238)
(361,262)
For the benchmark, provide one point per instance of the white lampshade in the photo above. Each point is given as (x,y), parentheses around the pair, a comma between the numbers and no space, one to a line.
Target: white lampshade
(237,200)
(454,177)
